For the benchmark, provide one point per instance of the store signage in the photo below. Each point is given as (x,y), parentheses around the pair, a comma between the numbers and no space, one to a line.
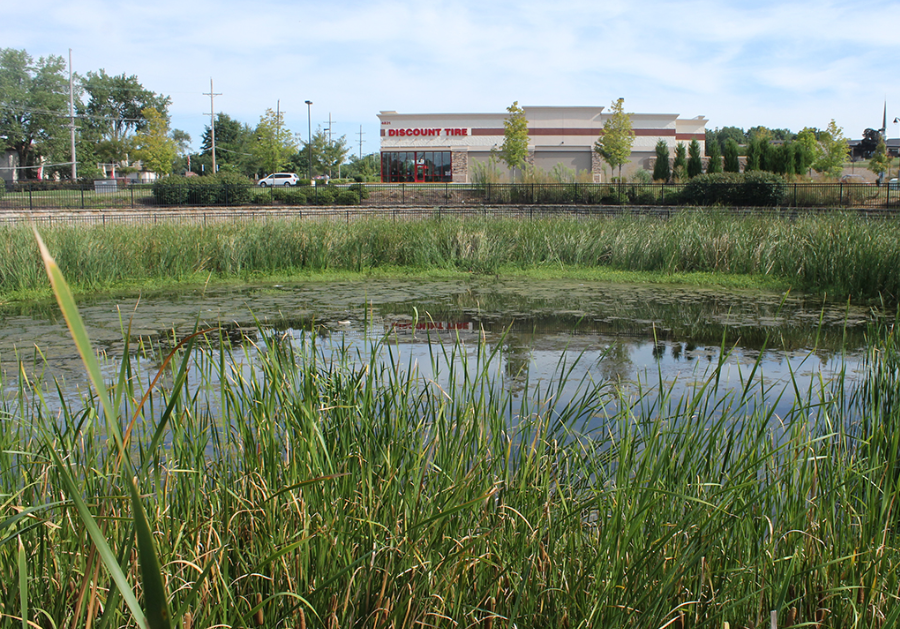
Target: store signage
(425,132)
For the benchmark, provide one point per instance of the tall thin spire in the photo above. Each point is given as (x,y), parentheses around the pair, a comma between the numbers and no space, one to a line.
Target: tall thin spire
(884,120)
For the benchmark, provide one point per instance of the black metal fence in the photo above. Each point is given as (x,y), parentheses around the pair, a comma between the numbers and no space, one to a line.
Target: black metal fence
(37,196)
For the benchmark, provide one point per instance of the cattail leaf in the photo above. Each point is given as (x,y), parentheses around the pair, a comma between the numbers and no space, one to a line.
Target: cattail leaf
(155,604)
(103,549)
(23,585)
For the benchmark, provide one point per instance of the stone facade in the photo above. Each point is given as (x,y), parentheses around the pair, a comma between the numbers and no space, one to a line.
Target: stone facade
(460,166)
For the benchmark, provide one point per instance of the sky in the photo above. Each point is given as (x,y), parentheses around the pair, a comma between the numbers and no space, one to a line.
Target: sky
(780,64)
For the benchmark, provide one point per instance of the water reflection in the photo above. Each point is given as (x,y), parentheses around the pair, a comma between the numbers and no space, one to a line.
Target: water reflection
(624,333)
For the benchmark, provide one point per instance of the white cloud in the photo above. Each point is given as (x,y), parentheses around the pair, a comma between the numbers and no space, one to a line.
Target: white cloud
(782,64)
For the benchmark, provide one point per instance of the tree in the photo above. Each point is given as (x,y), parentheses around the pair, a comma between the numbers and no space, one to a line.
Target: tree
(182,140)
(880,162)
(753,151)
(732,161)
(152,144)
(234,147)
(723,135)
(33,106)
(274,142)
(679,164)
(695,162)
(514,149)
(365,168)
(714,165)
(806,150)
(113,112)
(661,167)
(327,155)
(833,150)
(614,144)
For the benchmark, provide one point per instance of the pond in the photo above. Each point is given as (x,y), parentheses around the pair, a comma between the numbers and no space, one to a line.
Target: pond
(633,336)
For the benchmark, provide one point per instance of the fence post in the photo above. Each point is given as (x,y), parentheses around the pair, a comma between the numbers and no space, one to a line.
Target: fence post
(82,196)
(795,195)
(30,202)
(841,197)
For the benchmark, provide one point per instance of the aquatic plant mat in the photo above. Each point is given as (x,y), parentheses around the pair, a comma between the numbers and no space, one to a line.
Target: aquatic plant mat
(330,488)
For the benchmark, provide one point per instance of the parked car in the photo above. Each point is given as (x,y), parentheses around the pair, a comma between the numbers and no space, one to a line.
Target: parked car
(894,184)
(279,179)
(853,179)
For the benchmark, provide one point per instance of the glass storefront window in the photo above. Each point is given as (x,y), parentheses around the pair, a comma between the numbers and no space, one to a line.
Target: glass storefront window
(416,166)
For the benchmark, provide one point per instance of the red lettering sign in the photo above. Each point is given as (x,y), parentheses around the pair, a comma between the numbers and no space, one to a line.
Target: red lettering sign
(425,133)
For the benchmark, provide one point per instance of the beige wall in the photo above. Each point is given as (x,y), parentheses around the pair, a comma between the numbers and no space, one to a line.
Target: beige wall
(557,135)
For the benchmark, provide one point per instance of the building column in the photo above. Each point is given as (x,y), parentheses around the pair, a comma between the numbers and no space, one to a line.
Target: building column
(596,166)
(459,164)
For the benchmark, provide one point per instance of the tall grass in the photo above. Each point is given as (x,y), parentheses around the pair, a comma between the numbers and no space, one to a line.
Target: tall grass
(843,255)
(331,487)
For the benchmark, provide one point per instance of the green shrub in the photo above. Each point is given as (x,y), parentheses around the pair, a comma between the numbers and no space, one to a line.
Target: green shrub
(293,196)
(346,197)
(263,197)
(755,189)
(360,190)
(221,189)
(325,195)
(614,197)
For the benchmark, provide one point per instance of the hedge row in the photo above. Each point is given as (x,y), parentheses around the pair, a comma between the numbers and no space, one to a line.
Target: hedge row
(753,189)
(307,195)
(219,189)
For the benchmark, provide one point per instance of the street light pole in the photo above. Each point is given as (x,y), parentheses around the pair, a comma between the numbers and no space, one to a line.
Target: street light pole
(896,121)
(309,140)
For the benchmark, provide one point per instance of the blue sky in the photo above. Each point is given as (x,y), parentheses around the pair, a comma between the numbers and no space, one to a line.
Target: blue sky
(779,64)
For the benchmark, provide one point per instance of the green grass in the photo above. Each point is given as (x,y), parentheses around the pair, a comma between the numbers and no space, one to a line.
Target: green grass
(327,489)
(840,255)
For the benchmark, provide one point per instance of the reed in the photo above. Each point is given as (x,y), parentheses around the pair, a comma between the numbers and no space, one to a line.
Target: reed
(841,255)
(332,486)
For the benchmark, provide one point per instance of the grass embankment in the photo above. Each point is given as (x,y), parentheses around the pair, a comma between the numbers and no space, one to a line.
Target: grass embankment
(327,493)
(841,255)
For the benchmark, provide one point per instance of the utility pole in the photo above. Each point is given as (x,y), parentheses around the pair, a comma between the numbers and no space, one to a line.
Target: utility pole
(360,134)
(212,122)
(72,118)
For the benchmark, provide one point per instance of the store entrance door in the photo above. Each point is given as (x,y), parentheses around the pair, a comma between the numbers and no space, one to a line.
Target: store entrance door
(421,172)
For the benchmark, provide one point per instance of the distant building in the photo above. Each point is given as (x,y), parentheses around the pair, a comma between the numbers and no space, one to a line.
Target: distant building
(445,147)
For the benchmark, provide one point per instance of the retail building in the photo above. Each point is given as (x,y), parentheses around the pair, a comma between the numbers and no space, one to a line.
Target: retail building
(447,147)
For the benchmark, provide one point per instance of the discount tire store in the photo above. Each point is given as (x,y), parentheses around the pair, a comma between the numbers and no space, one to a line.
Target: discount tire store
(431,148)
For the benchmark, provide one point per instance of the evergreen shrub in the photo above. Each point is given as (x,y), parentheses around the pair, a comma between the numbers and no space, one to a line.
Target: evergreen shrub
(753,189)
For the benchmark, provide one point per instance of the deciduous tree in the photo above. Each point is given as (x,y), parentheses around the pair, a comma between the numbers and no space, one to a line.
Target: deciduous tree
(33,106)
(614,145)
(880,162)
(113,112)
(274,143)
(327,155)
(833,151)
(234,146)
(806,150)
(152,144)
(514,149)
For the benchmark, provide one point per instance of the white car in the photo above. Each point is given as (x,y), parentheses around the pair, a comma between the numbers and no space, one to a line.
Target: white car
(279,179)
(893,184)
